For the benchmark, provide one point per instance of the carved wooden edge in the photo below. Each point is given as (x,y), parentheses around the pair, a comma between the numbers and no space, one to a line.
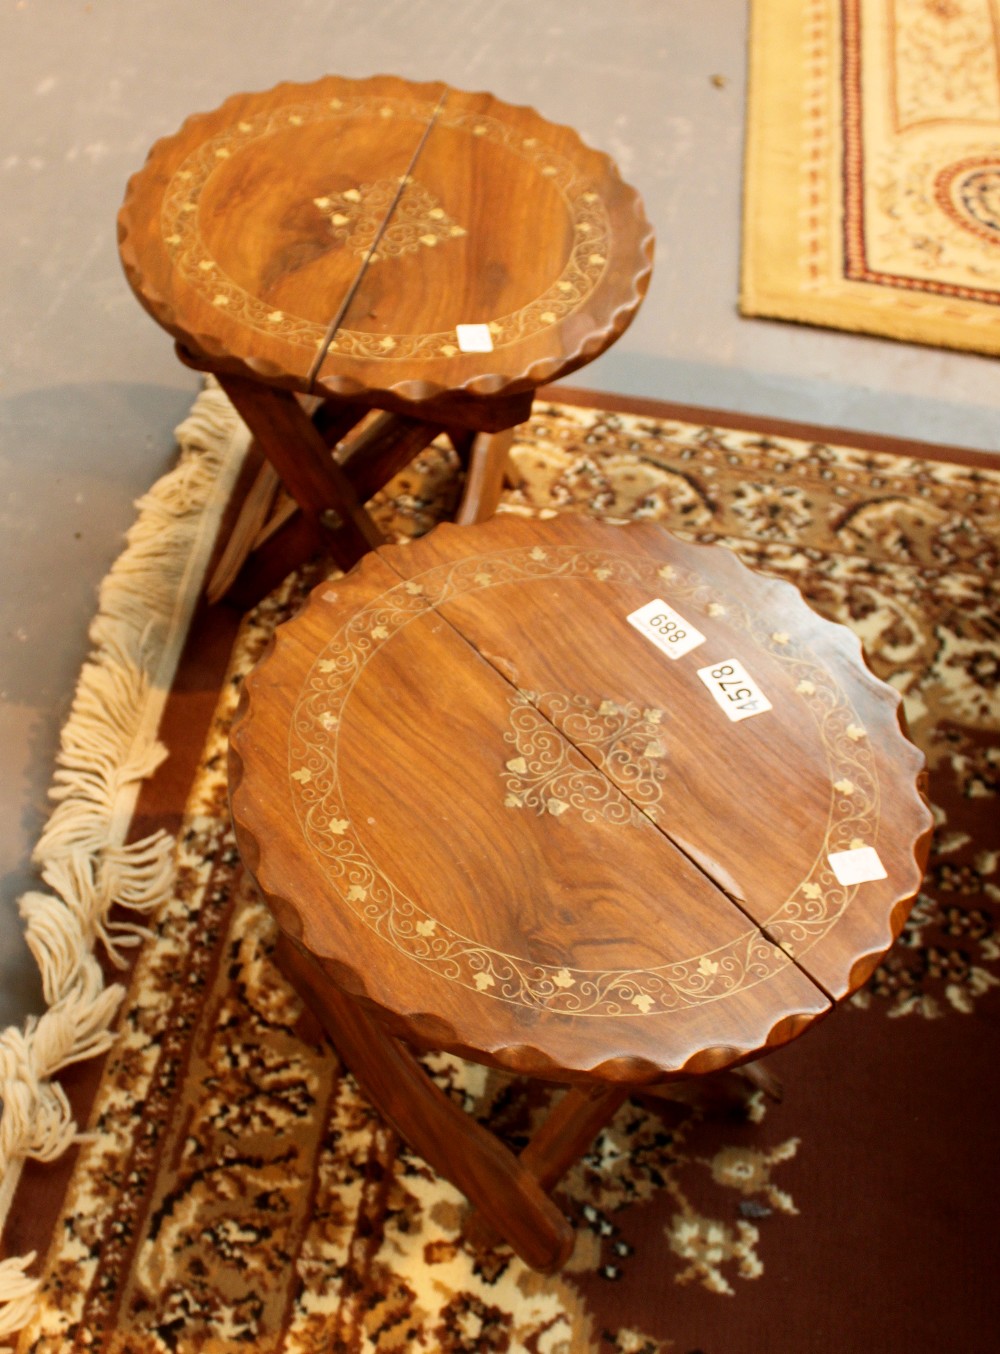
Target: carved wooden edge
(157,305)
(407,396)
(429,1030)
(424,1029)
(911,796)
(865,965)
(416,395)
(910,792)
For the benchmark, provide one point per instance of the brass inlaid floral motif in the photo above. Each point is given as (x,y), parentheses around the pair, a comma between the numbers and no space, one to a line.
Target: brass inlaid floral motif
(559,761)
(801,919)
(584,267)
(418,219)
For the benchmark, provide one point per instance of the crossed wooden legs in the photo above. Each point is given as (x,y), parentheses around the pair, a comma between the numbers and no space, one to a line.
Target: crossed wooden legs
(510,1193)
(294,447)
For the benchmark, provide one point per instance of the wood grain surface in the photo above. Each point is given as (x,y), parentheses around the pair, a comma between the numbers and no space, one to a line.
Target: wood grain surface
(508,823)
(330,237)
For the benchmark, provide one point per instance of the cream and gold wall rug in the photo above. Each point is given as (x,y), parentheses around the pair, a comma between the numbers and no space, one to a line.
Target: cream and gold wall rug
(872,192)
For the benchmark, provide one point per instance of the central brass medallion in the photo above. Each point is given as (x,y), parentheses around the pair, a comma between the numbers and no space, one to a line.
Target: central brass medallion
(418,221)
(573,757)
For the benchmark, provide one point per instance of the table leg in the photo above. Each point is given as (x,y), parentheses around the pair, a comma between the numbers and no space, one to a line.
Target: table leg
(488,467)
(254,512)
(570,1129)
(491,1177)
(302,459)
(564,1136)
(725,1090)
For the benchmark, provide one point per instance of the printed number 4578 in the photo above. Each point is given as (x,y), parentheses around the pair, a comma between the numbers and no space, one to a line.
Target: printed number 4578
(742,692)
(734,689)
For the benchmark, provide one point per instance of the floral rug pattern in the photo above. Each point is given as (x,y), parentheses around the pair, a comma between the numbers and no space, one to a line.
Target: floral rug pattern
(238,1192)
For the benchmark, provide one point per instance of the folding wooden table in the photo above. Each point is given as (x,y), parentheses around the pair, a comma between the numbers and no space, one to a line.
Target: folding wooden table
(332,249)
(579,801)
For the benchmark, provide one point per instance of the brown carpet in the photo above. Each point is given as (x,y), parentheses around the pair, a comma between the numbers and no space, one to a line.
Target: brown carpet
(238,1193)
(872,166)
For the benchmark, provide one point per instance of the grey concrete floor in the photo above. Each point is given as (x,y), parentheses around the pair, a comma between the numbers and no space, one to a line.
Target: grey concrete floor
(90,389)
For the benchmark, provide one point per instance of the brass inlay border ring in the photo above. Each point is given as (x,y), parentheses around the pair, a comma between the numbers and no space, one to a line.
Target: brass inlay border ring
(580,275)
(809,911)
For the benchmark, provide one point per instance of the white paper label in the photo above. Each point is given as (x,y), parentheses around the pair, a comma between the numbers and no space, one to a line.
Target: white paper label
(734,689)
(859,866)
(667,629)
(474,338)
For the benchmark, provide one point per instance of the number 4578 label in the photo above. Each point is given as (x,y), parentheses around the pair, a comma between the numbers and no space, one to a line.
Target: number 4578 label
(734,689)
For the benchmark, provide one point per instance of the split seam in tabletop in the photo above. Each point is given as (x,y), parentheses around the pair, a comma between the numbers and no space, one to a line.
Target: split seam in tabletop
(699,864)
(352,290)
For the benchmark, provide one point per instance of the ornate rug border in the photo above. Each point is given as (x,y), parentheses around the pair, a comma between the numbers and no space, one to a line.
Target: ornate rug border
(84,856)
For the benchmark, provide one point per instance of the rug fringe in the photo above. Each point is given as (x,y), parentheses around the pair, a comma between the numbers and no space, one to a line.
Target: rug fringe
(108,746)
(19,1292)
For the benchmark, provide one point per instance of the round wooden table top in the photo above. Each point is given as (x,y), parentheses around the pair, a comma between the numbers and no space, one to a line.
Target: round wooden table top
(578,799)
(385,241)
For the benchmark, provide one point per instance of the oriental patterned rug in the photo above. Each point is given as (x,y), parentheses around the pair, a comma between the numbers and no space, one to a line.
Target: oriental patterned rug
(235,1190)
(872,193)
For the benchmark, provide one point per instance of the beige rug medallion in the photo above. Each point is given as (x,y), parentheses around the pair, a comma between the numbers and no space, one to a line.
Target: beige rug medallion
(872,185)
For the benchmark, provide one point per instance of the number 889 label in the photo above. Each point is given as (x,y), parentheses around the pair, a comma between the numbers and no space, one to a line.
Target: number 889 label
(667,629)
(734,689)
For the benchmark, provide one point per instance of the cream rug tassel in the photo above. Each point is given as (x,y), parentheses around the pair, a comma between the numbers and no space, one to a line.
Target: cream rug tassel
(108,747)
